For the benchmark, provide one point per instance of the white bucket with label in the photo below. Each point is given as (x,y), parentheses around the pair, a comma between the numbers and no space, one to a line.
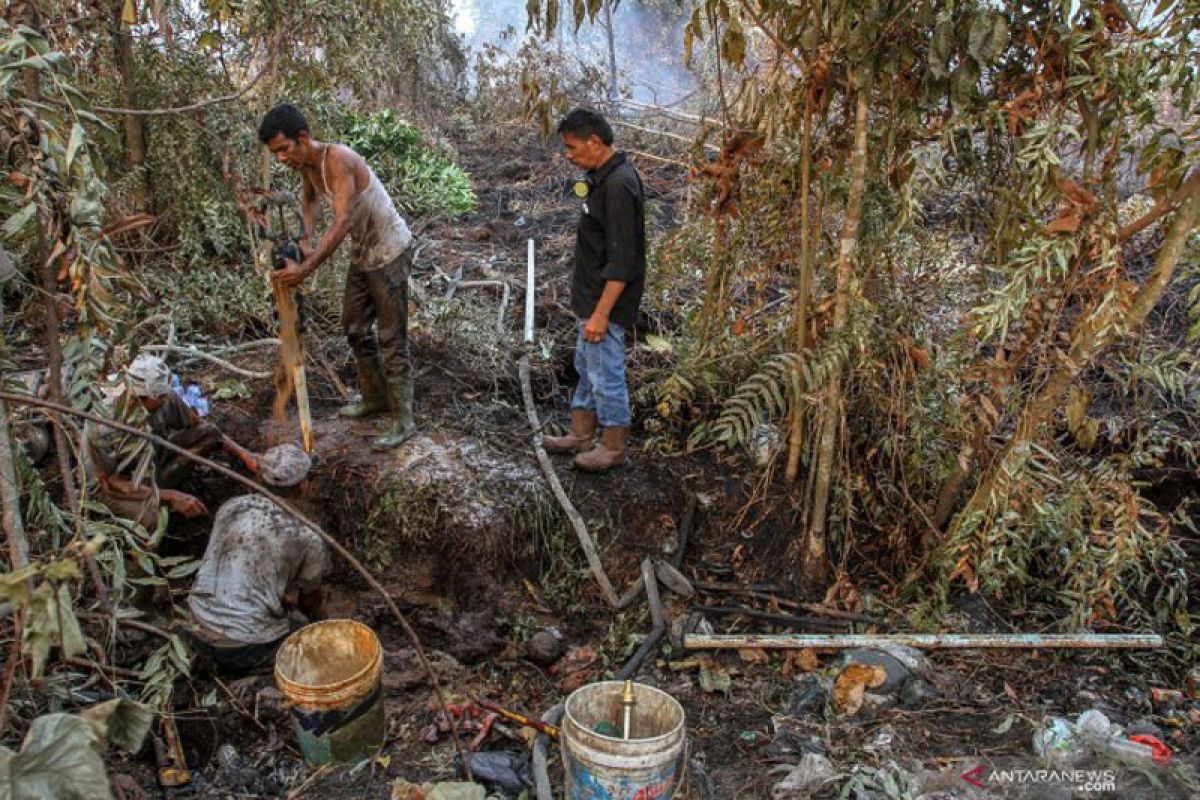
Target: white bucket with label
(649,765)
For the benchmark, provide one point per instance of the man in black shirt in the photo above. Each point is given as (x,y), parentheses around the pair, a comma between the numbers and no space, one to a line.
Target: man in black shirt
(606,288)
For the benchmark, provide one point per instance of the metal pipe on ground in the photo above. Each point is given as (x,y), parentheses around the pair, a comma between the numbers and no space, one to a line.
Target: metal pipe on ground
(932,641)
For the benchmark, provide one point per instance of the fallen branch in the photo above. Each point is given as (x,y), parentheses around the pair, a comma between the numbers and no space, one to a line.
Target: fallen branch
(560,494)
(815,608)
(930,641)
(285,506)
(195,352)
(666,134)
(135,624)
(1160,210)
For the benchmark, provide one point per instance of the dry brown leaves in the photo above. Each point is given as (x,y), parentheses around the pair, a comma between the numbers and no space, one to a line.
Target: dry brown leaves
(740,147)
(853,683)
(1079,204)
(798,662)
(843,595)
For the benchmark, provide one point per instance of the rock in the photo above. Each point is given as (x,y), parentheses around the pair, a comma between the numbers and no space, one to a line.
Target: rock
(812,771)
(916,693)
(900,663)
(545,647)
(454,790)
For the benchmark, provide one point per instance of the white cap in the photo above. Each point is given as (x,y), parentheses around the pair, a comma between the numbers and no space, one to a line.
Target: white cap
(148,376)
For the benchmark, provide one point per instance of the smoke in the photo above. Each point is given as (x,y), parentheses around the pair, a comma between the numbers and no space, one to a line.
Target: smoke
(648,40)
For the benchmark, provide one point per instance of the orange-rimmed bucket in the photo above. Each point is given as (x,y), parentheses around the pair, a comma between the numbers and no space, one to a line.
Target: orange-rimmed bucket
(330,674)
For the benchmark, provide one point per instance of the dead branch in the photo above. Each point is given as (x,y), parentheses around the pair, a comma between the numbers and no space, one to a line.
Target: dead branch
(194,352)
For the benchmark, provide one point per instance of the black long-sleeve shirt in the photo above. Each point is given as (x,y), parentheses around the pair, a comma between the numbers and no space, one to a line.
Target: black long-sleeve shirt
(610,244)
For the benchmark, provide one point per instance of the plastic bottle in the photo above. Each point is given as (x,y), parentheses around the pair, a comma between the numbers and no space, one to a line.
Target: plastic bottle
(1094,728)
(1128,752)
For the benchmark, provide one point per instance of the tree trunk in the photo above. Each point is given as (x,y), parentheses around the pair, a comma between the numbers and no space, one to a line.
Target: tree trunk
(803,290)
(50,290)
(55,357)
(814,567)
(10,496)
(1092,334)
(611,34)
(135,137)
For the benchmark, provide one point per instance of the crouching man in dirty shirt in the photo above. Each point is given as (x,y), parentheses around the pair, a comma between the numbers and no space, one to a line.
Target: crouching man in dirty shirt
(260,563)
(380,259)
(133,478)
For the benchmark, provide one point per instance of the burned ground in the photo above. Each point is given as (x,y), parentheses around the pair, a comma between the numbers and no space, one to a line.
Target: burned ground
(460,529)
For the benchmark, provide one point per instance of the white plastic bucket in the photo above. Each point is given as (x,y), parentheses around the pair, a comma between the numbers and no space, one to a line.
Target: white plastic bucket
(647,766)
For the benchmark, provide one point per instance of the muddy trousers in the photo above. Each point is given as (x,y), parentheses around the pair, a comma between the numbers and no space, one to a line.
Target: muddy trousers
(379,298)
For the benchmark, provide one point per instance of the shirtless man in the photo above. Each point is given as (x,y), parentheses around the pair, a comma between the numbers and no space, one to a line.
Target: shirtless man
(380,259)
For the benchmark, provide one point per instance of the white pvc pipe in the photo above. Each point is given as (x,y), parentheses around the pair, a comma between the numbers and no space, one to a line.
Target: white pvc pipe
(529,292)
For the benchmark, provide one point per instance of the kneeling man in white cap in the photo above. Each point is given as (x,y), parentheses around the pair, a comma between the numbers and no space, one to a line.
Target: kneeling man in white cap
(260,564)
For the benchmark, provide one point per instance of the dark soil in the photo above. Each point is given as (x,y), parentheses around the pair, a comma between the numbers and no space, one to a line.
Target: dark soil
(475,614)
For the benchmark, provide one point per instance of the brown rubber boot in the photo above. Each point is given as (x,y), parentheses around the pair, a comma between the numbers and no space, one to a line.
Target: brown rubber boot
(583,426)
(607,454)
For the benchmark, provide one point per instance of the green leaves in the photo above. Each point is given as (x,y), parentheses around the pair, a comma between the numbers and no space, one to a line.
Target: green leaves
(49,621)
(15,225)
(963,81)
(733,44)
(940,48)
(78,137)
(421,179)
(62,754)
(987,37)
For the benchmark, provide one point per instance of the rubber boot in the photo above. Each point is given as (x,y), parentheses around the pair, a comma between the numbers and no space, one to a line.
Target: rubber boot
(579,439)
(400,393)
(370,385)
(608,453)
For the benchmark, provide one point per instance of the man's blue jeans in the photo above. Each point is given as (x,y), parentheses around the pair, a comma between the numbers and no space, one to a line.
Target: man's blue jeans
(601,367)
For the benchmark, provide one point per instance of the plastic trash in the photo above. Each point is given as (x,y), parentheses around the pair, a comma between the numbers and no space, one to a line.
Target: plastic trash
(228,758)
(1094,726)
(509,771)
(192,395)
(1161,754)
(812,771)
(1057,741)
(1098,733)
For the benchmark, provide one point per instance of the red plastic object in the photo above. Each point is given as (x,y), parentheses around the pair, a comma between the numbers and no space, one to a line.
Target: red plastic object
(1162,753)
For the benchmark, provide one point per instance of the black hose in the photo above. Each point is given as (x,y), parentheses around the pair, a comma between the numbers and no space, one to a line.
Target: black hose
(660,623)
